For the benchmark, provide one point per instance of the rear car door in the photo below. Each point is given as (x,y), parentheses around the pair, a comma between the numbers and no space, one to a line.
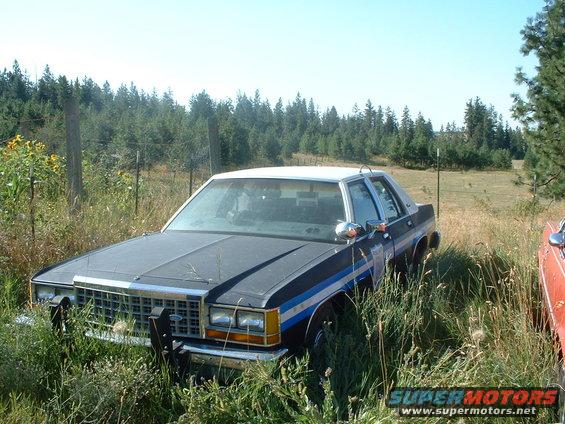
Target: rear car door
(399,222)
(370,247)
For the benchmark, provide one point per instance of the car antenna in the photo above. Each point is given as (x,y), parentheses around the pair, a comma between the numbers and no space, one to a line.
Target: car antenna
(365,166)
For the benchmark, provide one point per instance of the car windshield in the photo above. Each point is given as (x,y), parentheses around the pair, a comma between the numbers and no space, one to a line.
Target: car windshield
(307,210)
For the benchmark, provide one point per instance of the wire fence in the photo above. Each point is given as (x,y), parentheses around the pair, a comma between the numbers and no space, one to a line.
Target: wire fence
(458,190)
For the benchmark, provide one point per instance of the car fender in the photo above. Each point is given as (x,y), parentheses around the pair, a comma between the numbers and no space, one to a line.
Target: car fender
(327,299)
(423,238)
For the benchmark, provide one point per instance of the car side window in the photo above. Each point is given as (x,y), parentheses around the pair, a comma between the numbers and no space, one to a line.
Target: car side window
(393,210)
(364,207)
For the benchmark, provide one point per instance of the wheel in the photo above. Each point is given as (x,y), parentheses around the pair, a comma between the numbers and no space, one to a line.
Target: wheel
(316,333)
(419,255)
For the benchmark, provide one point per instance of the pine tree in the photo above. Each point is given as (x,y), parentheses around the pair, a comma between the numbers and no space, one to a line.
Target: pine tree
(543,110)
(278,118)
(47,87)
(390,125)
(369,117)
(406,130)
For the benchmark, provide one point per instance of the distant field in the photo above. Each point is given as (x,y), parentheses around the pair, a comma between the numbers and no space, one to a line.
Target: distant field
(458,189)
(462,189)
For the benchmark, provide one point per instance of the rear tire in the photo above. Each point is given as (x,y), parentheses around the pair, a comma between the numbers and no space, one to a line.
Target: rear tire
(419,255)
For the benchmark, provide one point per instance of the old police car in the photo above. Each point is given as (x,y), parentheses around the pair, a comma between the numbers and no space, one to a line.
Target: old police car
(251,265)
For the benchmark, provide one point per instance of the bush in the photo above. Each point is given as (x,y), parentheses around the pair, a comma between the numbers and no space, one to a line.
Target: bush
(19,156)
(501,159)
(116,183)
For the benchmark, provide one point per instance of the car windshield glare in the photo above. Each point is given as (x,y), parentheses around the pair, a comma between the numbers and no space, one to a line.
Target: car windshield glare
(299,209)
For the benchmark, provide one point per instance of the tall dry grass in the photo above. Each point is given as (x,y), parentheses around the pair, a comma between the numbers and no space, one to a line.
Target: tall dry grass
(472,317)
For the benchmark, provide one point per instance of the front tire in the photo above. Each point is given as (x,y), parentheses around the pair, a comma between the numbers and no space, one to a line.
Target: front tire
(316,333)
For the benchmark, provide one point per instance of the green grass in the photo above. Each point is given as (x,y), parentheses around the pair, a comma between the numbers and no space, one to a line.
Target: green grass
(472,318)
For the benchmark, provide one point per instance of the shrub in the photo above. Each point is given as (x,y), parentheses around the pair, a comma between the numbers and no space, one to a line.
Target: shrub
(116,183)
(501,159)
(19,156)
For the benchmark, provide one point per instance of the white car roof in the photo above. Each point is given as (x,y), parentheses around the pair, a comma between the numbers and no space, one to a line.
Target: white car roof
(316,173)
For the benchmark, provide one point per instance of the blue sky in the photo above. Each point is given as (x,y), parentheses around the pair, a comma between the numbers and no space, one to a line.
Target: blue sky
(430,55)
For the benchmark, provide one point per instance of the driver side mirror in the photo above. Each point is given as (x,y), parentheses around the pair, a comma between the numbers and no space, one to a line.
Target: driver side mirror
(347,230)
(557,240)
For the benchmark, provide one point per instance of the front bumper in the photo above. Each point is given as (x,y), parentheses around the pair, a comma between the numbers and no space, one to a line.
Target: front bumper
(199,353)
(204,354)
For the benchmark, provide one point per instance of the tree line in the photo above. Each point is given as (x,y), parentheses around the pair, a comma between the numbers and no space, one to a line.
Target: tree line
(114,124)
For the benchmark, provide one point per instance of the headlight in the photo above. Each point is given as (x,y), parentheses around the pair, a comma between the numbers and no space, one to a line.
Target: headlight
(253,321)
(46,293)
(222,316)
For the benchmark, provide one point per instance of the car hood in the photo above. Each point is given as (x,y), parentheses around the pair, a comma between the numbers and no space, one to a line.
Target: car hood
(230,268)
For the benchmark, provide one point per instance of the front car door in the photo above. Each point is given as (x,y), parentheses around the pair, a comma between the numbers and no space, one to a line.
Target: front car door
(399,222)
(369,248)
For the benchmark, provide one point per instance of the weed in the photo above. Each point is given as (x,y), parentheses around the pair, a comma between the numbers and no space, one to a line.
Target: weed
(469,318)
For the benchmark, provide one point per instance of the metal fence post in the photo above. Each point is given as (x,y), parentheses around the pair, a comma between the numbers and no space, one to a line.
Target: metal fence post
(190,179)
(31,203)
(437,213)
(535,187)
(136,181)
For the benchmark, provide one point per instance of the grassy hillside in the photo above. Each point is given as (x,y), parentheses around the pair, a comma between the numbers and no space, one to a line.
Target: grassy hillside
(472,318)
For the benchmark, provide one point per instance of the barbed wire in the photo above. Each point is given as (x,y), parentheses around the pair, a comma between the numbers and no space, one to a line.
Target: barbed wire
(434,192)
(116,143)
(44,118)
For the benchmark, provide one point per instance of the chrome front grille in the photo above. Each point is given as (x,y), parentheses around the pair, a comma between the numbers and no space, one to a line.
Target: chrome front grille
(107,306)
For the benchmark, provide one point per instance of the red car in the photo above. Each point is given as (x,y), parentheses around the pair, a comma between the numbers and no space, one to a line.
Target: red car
(551,257)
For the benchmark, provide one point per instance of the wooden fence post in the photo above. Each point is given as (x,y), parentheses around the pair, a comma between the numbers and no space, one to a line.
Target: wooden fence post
(74,154)
(213,138)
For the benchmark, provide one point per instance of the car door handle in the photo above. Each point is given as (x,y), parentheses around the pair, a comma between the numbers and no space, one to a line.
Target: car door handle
(409,223)
(387,236)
